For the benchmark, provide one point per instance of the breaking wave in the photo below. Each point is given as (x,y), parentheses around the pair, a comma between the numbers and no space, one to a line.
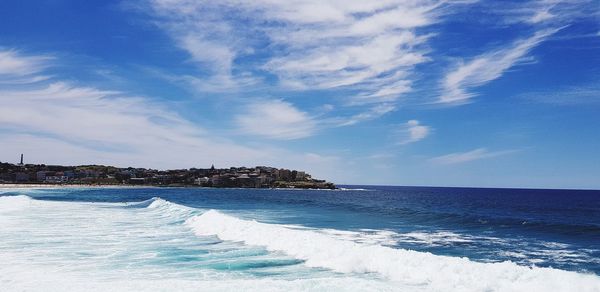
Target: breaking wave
(345,252)
(164,208)
(406,267)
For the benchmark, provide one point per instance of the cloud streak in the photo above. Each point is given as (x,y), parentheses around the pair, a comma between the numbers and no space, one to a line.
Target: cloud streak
(463,157)
(16,64)
(16,68)
(458,84)
(370,114)
(544,12)
(585,94)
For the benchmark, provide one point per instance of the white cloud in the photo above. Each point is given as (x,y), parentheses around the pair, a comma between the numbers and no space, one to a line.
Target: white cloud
(411,132)
(110,124)
(14,63)
(56,122)
(95,112)
(16,68)
(545,16)
(458,83)
(462,157)
(541,12)
(354,63)
(541,16)
(370,114)
(275,119)
(585,94)
(367,46)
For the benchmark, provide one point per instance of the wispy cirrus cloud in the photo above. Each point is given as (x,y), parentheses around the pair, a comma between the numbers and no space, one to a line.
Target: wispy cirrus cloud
(88,115)
(107,126)
(367,52)
(458,84)
(462,157)
(16,68)
(370,49)
(370,114)
(16,64)
(55,121)
(585,94)
(545,17)
(540,12)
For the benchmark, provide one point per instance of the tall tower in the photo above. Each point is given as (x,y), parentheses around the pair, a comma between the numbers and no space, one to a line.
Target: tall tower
(21,159)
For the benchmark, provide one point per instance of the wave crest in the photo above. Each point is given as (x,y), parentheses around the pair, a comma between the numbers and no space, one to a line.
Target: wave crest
(10,203)
(165,208)
(407,267)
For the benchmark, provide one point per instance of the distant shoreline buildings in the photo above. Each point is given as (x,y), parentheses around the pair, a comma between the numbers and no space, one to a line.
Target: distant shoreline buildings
(233,177)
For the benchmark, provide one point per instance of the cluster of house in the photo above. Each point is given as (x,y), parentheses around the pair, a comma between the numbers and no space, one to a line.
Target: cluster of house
(46,174)
(255,177)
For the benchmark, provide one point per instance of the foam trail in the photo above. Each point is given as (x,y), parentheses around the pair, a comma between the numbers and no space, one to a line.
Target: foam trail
(352,189)
(407,268)
(33,279)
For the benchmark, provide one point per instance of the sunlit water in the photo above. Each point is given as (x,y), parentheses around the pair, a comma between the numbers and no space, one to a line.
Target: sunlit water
(366,239)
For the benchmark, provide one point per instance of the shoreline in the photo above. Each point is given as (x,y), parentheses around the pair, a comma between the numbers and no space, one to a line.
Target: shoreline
(69,186)
(52,176)
(99,186)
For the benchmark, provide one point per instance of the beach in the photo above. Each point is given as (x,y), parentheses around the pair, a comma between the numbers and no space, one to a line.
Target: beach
(66,186)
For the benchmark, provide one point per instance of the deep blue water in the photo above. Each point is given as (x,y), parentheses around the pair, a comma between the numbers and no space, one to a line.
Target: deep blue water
(526,218)
(543,228)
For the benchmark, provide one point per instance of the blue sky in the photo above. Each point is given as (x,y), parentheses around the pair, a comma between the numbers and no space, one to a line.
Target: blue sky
(443,93)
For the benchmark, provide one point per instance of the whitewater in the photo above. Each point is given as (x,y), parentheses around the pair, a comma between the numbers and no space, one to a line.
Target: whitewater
(158,245)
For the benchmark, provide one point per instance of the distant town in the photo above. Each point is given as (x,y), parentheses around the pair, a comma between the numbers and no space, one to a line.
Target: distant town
(233,177)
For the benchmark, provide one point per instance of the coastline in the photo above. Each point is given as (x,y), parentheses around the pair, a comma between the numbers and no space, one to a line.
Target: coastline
(42,176)
(110,186)
(69,186)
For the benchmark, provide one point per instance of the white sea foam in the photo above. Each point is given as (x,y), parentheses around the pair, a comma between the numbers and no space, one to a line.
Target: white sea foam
(353,189)
(364,236)
(406,268)
(426,238)
(74,246)
(47,279)
(14,199)
(12,203)
(434,238)
(69,246)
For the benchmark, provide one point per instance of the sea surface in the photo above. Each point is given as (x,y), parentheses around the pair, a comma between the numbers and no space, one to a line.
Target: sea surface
(359,238)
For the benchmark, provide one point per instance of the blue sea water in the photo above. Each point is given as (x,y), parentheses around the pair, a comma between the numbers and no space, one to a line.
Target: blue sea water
(361,238)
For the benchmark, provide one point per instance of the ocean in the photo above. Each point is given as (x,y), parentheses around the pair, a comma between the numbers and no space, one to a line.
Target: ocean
(358,238)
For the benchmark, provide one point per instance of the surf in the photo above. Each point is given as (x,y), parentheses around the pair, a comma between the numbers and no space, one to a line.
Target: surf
(159,232)
(405,267)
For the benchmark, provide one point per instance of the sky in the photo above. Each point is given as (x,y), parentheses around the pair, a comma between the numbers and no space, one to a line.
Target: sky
(388,92)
